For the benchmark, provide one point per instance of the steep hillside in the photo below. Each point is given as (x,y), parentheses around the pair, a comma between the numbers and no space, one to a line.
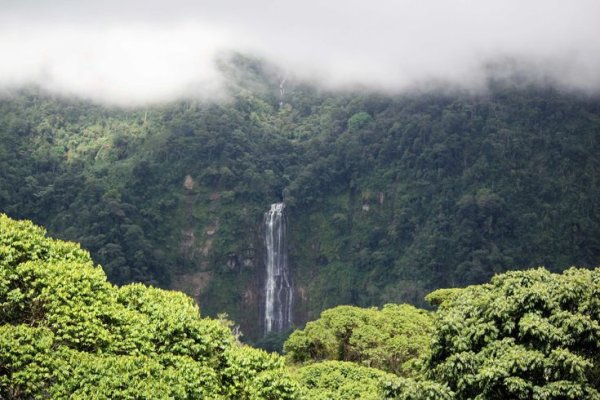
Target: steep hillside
(387,197)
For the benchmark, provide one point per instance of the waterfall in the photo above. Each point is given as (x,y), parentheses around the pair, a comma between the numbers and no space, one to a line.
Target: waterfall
(282,90)
(278,289)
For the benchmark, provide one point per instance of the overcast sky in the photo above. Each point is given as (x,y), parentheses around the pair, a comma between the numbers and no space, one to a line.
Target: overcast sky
(148,50)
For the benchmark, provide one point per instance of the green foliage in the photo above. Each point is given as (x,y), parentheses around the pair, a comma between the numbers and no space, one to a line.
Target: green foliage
(410,389)
(65,332)
(175,327)
(254,374)
(442,297)
(338,380)
(392,338)
(389,197)
(23,241)
(26,366)
(529,334)
(358,121)
(86,375)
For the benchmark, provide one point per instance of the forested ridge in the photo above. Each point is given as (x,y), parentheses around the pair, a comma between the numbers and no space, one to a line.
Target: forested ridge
(389,197)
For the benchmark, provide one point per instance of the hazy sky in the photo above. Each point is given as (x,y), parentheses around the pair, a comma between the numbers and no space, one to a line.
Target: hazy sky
(149,50)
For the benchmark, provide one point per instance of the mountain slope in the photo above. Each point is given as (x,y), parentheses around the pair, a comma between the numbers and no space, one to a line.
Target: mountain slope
(387,197)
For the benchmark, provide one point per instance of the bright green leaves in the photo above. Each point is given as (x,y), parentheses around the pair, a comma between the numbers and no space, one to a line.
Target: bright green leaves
(174,322)
(65,332)
(528,334)
(442,297)
(337,380)
(390,339)
(539,331)
(69,297)
(77,303)
(394,339)
(26,366)
(22,241)
(250,373)
(410,389)
(86,376)
(525,335)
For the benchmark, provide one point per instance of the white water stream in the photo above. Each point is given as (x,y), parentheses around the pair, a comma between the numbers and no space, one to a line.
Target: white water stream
(278,289)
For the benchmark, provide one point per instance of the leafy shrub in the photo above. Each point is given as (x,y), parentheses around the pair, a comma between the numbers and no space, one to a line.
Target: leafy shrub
(391,339)
(339,380)
(527,334)
(65,332)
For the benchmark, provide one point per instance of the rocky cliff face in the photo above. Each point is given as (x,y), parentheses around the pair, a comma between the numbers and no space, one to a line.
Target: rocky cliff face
(230,276)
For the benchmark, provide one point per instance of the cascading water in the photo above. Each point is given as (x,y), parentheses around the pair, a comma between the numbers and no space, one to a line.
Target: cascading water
(278,289)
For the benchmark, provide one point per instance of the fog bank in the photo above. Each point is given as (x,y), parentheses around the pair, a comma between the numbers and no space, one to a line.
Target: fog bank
(133,52)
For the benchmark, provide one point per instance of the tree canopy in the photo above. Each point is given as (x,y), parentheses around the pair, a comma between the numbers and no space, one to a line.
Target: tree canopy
(388,197)
(391,339)
(525,335)
(68,333)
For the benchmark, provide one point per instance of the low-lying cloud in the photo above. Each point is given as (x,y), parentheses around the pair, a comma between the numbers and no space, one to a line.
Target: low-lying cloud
(147,51)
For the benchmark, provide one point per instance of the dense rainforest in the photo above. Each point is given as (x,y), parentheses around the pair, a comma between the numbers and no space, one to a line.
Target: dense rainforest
(66,332)
(388,197)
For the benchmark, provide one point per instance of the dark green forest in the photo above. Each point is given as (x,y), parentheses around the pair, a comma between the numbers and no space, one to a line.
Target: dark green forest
(388,197)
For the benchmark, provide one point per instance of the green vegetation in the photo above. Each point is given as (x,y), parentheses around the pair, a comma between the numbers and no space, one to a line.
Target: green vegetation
(391,339)
(65,332)
(335,380)
(389,198)
(525,335)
